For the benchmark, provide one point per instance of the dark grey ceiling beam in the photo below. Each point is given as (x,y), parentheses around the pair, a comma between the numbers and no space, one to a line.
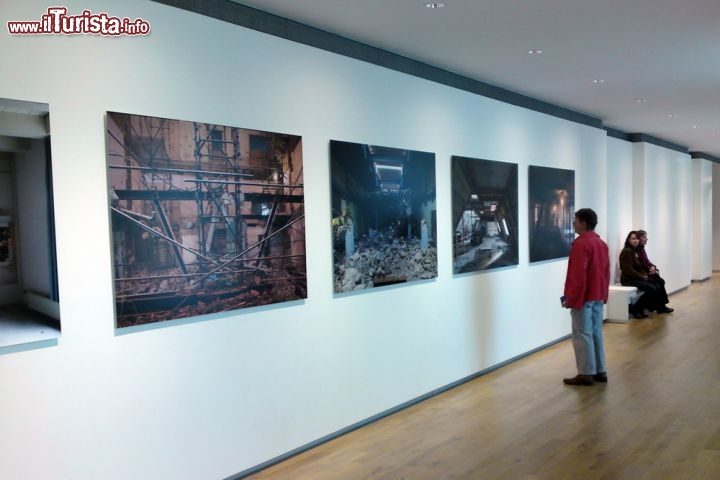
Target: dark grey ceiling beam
(705,156)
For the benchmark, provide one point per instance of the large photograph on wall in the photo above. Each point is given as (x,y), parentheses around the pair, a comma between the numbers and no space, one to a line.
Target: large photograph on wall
(484,214)
(551,195)
(205,218)
(383,215)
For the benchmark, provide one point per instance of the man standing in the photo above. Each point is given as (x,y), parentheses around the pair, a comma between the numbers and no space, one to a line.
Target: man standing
(653,272)
(586,290)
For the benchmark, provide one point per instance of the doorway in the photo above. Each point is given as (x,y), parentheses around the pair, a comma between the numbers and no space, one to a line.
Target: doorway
(29,294)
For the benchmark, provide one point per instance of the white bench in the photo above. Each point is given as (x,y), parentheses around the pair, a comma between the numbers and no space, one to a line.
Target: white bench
(618,300)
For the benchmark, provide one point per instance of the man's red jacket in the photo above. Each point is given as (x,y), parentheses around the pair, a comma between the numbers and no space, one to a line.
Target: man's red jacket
(588,273)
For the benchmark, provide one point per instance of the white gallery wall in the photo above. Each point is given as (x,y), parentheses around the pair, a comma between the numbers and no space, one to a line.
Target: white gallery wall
(211,397)
(662,205)
(716,216)
(619,200)
(701,217)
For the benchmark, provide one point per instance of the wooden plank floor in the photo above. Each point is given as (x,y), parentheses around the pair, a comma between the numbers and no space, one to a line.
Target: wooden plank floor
(657,418)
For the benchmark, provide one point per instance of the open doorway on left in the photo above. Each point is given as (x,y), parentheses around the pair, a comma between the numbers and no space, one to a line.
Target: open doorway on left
(29,300)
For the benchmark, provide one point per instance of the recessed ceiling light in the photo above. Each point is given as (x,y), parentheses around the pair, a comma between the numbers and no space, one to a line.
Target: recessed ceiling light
(671,115)
(695,126)
(598,81)
(535,52)
(434,5)
(641,100)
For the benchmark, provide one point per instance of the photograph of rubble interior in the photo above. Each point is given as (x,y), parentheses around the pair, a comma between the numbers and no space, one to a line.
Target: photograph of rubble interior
(484,214)
(205,218)
(551,195)
(384,218)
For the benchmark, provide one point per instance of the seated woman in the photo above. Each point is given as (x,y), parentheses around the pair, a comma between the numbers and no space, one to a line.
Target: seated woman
(632,274)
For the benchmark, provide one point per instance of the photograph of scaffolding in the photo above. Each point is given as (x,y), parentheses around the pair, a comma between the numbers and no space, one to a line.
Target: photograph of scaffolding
(484,214)
(205,218)
(551,194)
(384,217)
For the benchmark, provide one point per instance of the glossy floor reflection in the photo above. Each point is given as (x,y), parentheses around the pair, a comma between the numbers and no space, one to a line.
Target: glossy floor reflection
(657,418)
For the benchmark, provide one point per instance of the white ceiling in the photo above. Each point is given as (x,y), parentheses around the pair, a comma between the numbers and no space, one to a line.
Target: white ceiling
(659,60)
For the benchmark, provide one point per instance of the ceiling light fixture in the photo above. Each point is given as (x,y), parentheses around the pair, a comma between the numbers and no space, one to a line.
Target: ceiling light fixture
(434,5)
(535,52)
(641,100)
(598,81)
(671,115)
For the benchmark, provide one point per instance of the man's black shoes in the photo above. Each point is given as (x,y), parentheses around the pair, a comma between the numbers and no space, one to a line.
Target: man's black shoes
(584,380)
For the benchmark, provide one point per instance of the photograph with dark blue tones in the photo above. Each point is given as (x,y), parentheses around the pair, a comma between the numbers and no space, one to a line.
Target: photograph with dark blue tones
(551,194)
(484,214)
(205,218)
(384,218)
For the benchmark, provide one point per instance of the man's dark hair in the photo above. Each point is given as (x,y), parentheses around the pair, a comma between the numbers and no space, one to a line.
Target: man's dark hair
(641,233)
(588,217)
